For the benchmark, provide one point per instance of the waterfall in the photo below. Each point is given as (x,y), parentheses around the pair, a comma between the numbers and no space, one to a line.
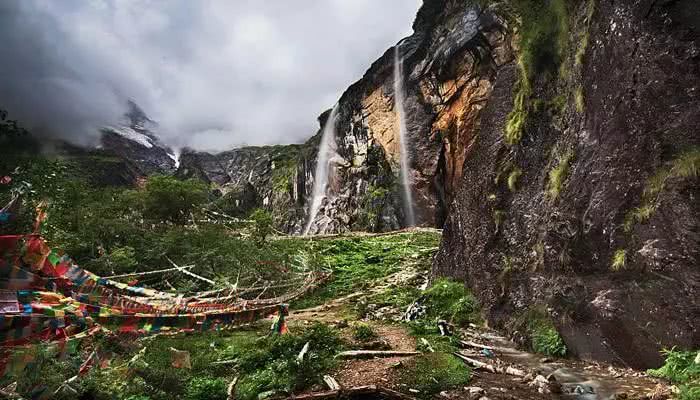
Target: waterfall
(403,151)
(326,150)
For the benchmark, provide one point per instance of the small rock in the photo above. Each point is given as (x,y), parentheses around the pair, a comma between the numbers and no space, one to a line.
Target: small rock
(545,360)
(474,390)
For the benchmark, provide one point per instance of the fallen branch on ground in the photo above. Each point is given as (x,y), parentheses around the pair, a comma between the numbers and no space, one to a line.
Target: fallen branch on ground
(231,390)
(149,272)
(359,390)
(331,382)
(489,367)
(469,343)
(375,353)
(186,272)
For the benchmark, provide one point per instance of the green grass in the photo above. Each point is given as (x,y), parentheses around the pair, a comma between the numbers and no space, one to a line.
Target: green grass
(451,301)
(685,166)
(357,263)
(558,175)
(682,370)
(513,179)
(435,372)
(619,260)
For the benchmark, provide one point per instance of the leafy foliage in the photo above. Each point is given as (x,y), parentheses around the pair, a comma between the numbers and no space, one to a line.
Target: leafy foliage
(543,36)
(206,389)
(543,335)
(681,368)
(513,179)
(271,365)
(263,224)
(170,199)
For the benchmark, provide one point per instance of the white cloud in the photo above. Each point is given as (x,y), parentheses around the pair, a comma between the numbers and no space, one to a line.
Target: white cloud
(214,73)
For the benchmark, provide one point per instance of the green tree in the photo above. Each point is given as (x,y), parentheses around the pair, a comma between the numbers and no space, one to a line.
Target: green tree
(263,224)
(167,198)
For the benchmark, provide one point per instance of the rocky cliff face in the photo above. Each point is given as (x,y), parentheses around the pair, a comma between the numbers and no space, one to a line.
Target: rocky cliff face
(579,190)
(271,177)
(450,63)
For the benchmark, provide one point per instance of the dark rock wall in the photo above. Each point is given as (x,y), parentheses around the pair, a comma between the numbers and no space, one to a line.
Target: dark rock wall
(618,286)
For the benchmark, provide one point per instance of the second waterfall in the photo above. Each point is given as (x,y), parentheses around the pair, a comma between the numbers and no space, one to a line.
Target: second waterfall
(404,161)
(324,160)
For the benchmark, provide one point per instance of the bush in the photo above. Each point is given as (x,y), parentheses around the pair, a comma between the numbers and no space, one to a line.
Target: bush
(681,369)
(543,335)
(271,365)
(434,372)
(206,389)
(363,333)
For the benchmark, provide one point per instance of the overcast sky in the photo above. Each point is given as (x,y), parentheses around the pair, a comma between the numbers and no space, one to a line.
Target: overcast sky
(214,74)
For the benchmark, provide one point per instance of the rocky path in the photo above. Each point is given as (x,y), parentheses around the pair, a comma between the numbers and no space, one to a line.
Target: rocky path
(508,373)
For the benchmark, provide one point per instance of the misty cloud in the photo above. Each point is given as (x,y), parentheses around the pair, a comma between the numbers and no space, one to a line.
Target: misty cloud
(214,74)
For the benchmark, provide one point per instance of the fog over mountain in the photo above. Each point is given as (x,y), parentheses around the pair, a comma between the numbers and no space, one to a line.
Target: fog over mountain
(214,74)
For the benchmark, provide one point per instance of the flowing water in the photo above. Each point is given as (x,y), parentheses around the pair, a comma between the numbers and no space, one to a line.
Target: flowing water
(326,150)
(405,175)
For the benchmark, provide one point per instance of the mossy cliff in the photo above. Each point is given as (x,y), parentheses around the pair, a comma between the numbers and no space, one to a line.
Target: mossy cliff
(587,150)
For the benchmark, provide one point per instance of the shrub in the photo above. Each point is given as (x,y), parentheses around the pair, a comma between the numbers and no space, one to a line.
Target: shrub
(681,369)
(363,333)
(271,365)
(434,372)
(540,330)
(206,389)
(679,366)
(546,340)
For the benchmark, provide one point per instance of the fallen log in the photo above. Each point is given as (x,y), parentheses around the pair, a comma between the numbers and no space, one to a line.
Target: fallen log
(469,343)
(231,390)
(490,367)
(331,382)
(358,390)
(375,353)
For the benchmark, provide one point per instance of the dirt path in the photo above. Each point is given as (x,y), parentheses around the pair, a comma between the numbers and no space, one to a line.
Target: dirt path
(545,379)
